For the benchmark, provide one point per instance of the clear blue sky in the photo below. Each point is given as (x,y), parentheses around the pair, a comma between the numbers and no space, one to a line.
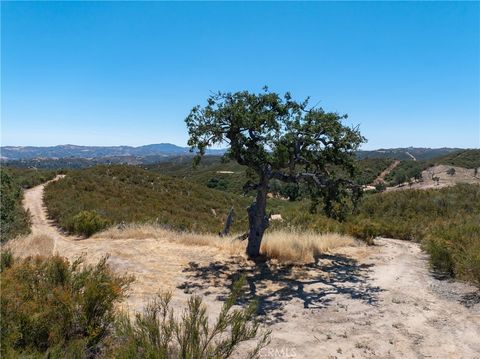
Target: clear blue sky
(128,73)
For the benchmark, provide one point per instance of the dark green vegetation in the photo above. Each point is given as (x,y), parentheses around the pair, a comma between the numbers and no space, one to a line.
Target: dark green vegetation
(280,139)
(405,171)
(370,168)
(29,177)
(121,193)
(465,158)
(420,153)
(79,162)
(215,173)
(14,220)
(211,172)
(51,308)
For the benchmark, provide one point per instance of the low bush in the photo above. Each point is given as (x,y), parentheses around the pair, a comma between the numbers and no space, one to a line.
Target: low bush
(454,247)
(159,333)
(6,259)
(87,223)
(365,230)
(52,308)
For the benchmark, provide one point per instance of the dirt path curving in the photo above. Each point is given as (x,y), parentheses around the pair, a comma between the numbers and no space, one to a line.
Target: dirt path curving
(365,302)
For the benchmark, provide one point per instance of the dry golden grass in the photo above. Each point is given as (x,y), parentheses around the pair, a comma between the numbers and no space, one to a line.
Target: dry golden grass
(284,246)
(31,245)
(302,247)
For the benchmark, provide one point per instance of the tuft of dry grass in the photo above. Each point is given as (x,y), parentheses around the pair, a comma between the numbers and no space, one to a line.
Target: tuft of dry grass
(302,247)
(286,246)
(31,245)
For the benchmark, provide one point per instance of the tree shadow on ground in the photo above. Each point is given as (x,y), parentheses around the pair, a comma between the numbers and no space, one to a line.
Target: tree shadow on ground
(273,285)
(470,299)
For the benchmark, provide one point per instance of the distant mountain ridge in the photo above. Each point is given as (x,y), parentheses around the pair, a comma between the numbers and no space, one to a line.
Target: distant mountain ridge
(68,151)
(167,150)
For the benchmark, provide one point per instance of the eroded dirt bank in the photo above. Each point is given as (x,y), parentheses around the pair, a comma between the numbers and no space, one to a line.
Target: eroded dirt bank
(365,302)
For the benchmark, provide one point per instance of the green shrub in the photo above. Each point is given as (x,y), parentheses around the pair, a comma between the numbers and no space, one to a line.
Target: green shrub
(53,307)
(365,230)
(217,183)
(87,223)
(14,220)
(440,255)
(454,247)
(159,333)
(6,259)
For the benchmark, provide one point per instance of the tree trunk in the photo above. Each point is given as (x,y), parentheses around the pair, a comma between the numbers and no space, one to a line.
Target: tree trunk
(228,223)
(257,221)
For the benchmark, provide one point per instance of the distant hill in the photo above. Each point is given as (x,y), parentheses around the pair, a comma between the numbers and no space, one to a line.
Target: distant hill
(155,152)
(465,158)
(68,151)
(408,153)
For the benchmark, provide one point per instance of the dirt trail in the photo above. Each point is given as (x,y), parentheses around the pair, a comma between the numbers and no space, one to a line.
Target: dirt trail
(365,302)
(386,171)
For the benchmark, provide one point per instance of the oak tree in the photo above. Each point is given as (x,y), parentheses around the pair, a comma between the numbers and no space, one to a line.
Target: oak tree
(279,138)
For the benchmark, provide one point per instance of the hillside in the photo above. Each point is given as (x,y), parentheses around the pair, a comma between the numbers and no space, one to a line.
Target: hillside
(465,162)
(65,151)
(230,176)
(211,172)
(466,159)
(130,194)
(407,153)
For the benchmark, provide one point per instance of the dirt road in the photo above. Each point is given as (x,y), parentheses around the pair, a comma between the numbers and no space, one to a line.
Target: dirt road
(365,302)
(386,171)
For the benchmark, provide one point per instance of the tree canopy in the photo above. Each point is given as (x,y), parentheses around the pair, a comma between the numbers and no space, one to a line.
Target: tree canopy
(280,138)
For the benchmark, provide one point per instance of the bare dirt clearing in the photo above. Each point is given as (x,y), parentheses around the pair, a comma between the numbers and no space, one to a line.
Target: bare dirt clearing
(362,302)
(461,175)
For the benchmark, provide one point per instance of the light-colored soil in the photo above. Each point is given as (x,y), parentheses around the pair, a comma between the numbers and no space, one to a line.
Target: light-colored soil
(360,302)
(462,175)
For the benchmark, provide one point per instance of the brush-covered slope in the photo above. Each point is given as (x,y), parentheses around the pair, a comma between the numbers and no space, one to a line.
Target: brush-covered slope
(211,172)
(466,159)
(130,194)
(230,176)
